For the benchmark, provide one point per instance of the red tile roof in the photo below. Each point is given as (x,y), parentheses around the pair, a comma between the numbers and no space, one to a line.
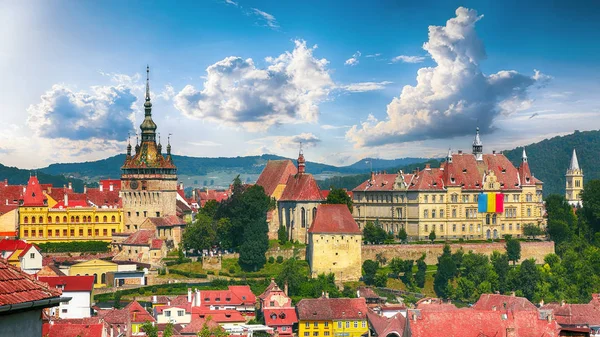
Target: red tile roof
(156,244)
(72,330)
(301,187)
(17,286)
(276,172)
(140,238)
(12,245)
(219,316)
(577,314)
(384,326)
(72,203)
(70,283)
(334,219)
(167,221)
(280,316)
(105,183)
(137,313)
(206,195)
(244,293)
(234,295)
(381,182)
(103,198)
(332,309)
(33,195)
(501,302)
(197,324)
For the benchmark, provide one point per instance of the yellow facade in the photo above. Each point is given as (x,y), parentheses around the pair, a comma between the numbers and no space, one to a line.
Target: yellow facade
(338,254)
(574,180)
(97,268)
(351,328)
(315,328)
(41,224)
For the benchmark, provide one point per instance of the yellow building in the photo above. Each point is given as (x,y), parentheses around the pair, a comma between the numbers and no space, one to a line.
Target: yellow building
(341,317)
(574,182)
(96,267)
(42,219)
(444,200)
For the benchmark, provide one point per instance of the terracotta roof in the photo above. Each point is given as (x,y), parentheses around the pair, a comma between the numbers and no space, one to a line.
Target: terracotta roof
(70,283)
(270,288)
(244,293)
(206,195)
(235,295)
(17,286)
(301,187)
(381,182)
(219,316)
(9,195)
(167,221)
(577,314)
(156,244)
(72,203)
(72,330)
(12,245)
(140,238)
(276,172)
(137,313)
(196,325)
(50,270)
(33,195)
(187,307)
(366,292)
(502,302)
(105,183)
(105,198)
(332,309)
(384,326)
(334,219)
(280,316)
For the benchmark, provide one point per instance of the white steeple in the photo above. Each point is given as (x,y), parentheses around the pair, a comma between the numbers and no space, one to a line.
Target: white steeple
(478,147)
(449,156)
(524,158)
(574,162)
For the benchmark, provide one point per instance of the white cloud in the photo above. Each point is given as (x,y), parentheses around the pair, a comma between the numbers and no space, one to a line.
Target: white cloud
(408,59)
(373,55)
(231,2)
(268,19)
(288,142)
(167,93)
(452,97)
(237,92)
(106,113)
(365,86)
(334,127)
(205,143)
(353,60)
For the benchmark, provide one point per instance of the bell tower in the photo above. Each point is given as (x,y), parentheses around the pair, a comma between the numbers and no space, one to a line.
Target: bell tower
(148,179)
(574,182)
(477,147)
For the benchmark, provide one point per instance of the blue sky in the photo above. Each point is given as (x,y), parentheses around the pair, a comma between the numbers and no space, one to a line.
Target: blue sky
(350,79)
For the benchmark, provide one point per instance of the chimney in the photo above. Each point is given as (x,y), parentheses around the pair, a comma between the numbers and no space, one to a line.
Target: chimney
(101,188)
(197,297)
(285,288)
(189,298)
(542,302)
(512,293)
(459,151)
(194,194)
(562,303)
(154,299)
(327,294)
(415,317)
(372,176)
(427,166)
(112,332)
(169,303)
(70,185)
(549,318)
(110,186)
(84,189)
(493,151)
(493,308)
(181,185)
(66,200)
(5,182)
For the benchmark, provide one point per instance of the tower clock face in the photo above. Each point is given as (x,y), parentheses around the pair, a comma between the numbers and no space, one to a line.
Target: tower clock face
(134,184)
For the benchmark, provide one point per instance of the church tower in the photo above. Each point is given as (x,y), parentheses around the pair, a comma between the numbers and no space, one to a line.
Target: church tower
(478,147)
(574,182)
(148,179)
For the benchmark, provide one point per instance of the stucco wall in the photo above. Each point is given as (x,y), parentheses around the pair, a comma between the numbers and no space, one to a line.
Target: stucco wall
(26,323)
(536,250)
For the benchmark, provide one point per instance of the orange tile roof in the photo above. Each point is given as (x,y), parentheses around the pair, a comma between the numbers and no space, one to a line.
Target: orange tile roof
(276,172)
(334,219)
(332,309)
(17,286)
(301,187)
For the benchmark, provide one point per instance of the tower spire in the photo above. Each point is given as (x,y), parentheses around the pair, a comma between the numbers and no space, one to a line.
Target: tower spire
(128,144)
(301,161)
(147,83)
(574,163)
(148,126)
(524,158)
(477,146)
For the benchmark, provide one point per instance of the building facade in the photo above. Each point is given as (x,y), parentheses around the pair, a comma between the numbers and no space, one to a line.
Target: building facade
(574,182)
(79,289)
(334,244)
(445,199)
(278,311)
(148,179)
(332,317)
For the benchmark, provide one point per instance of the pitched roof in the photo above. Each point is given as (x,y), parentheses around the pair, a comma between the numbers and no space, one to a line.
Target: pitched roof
(156,244)
(166,221)
(301,187)
(137,313)
(334,219)
(503,302)
(280,316)
(234,295)
(381,182)
(72,330)
(244,293)
(196,325)
(50,270)
(70,283)
(332,308)
(386,326)
(576,314)
(219,316)
(276,172)
(33,195)
(141,237)
(17,286)
(9,245)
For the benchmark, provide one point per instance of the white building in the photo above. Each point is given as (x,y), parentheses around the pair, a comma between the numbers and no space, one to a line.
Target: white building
(178,314)
(21,254)
(79,289)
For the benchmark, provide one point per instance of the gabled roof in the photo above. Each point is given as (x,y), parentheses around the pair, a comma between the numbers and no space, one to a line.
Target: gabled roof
(332,309)
(137,313)
(503,302)
(385,326)
(577,314)
(280,316)
(72,204)
(8,245)
(219,316)
(196,325)
(33,195)
(17,286)
(276,172)
(70,283)
(166,221)
(334,219)
(301,187)
(156,244)
(234,295)
(141,237)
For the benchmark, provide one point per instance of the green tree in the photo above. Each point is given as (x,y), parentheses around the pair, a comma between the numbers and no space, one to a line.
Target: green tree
(513,249)
(117,299)
(210,208)
(465,289)
(369,269)
(282,235)
(150,329)
(590,198)
(432,236)
(529,277)
(421,270)
(561,219)
(210,330)
(252,251)
(397,266)
(200,234)
(501,267)
(373,233)
(223,233)
(339,196)
(402,235)
(532,230)
(291,273)
(380,279)
(445,272)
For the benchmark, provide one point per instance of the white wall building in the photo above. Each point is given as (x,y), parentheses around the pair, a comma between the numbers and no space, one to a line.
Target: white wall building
(79,289)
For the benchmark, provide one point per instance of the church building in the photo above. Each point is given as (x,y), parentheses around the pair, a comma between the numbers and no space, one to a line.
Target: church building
(574,182)
(148,179)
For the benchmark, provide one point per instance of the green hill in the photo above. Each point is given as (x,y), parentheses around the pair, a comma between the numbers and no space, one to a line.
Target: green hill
(16,176)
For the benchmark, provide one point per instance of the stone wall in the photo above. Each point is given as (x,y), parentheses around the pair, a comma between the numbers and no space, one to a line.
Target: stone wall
(536,250)
(286,253)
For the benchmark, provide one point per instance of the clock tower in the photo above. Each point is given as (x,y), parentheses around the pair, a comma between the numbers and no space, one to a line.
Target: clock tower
(148,179)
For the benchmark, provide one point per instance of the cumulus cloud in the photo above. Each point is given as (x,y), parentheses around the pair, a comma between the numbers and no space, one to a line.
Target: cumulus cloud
(106,113)
(288,142)
(237,92)
(231,2)
(365,86)
(205,143)
(334,127)
(353,60)
(266,18)
(167,93)
(452,97)
(408,59)
(373,55)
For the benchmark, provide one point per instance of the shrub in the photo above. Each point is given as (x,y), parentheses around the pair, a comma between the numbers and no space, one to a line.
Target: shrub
(280,259)
(210,272)
(75,246)
(231,270)
(271,259)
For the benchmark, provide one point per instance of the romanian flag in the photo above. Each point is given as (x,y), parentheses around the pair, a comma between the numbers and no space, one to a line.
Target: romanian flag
(490,203)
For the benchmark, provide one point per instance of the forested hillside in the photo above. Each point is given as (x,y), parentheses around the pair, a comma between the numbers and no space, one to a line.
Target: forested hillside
(16,176)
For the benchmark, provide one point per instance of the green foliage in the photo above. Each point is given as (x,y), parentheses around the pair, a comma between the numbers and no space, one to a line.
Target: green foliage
(252,251)
(282,235)
(271,259)
(513,249)
(590,198)
(339,196)
(380,279)
(501,267)
(403,270)
(292,275)
(200,234)
(532,230)
(168,331)
(421,270)
(402,235)
(432,236)
(187,273)
(528,278)
(150,329)
(279,259)
(216,331)
(561,219)
(373,233)
(75,246)
(445,272)
(369,269)
(209,209)
(117,299)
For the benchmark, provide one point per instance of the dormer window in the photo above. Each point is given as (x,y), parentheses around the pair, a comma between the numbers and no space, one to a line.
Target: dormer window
(452,180)
(227,299)
(218,299)
(273,316)
(464,170)
(503,170)
(206,299)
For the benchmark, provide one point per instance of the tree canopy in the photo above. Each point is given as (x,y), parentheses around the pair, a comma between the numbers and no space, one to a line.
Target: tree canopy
(339,196)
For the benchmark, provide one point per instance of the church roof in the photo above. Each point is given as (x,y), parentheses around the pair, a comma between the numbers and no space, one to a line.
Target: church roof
(33,195)
(276,172)
(334,219)
(301,187)
(148,157)
(574,163)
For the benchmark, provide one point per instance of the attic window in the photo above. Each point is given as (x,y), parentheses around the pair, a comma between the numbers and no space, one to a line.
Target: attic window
(434,183)
(477,184)
(273,316)
(244,298)
(527,179)
(503,170)
(228,299)
(462,185)
(282,315)
(218,299)
(206,299)
(464,170)
(501,184)
(452,180)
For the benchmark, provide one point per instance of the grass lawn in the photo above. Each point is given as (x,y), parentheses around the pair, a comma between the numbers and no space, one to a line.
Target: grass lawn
(230,267)
(427,290)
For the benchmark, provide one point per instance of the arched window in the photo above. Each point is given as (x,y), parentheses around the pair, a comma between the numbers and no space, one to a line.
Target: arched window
(26,220)
(89,218)
(494,219)
(84,218)
(314,215)
(97,219)
(64,219)
(57,219)
(32,219)
(95,278)
(105,219)
(487,219)
(72,219)
(103,278)
(77,218)
(302,217)
(113,219)
(49,219)
(41,220)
